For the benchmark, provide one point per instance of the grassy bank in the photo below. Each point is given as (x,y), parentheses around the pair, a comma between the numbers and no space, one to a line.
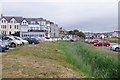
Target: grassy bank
(37,61)
(92,62)
(62,59)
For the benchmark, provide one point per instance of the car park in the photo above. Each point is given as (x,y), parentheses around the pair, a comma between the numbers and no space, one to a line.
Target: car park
(32,40)
(22,40)
(115,47)
(13,42)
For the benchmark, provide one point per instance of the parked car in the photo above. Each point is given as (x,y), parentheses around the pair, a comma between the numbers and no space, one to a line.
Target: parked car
(3,47)
(0,49)
(102,43)
(115,47)
(47,38)
(94,41)
(5,43)
(73,40)
(32,40)
(13,42)
(22,40)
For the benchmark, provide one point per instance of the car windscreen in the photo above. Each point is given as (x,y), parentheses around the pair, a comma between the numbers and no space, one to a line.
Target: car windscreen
(33,39)
(17,38)
(12,38)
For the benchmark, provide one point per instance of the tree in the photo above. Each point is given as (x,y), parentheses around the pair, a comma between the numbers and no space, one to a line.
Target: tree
(16,34)
(76,32)
(81,34)
(70,32)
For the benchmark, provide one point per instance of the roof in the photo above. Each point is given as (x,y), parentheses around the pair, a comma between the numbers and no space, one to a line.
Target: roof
(17,18)
(51,22)
(47,21)
(34,19)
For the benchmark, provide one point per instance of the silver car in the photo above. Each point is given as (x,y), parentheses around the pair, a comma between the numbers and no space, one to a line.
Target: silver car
(115,47)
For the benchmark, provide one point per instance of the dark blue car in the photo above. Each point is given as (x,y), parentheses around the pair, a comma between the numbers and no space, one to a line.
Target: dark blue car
(3,46)
(32,40)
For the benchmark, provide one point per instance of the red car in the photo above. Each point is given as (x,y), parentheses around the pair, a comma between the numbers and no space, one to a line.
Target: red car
(102,43)
(94,41)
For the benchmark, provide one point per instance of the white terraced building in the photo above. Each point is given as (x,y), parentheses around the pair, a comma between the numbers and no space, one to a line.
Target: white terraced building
(38,27)
(28,27)
(9,25)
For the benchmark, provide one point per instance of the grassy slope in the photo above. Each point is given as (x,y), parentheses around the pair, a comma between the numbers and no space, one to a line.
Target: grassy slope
(42,60)
(59,59)
(92,61)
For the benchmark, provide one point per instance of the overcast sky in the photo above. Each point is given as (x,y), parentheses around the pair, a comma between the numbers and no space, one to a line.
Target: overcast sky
(85,15)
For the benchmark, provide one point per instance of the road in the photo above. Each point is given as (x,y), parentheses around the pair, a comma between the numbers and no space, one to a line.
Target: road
(111,44)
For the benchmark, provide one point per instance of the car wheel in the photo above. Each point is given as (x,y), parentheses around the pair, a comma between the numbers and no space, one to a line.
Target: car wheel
(23,43)
(3,50)
(107,45)
(13,45)
(97,45)
(33,43)
(116,49)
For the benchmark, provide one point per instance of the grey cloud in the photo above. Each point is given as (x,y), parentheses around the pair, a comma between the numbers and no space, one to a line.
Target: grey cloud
(86,16)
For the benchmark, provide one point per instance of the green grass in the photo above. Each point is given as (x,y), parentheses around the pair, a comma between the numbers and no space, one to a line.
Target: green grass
(92,62)
(60,59)
(37,61)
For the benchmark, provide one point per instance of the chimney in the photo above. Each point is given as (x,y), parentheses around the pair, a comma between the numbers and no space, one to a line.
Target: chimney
(1,15)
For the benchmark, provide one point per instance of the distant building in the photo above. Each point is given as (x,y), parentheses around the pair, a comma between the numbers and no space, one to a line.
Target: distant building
(33,27)
(102,36)
(28,27)
(39,27)
(116,34)
(89,35)
(62,32)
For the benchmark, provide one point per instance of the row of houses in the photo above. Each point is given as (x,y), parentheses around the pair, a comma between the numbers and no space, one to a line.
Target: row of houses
(29,27)
(102,35)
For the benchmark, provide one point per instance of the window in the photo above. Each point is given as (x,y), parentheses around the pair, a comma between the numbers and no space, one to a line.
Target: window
(11,21)
(10,26)
(7,38)
(15,26)
(4,32)
(2,21)
(10,33)
(32,22)
(4,26)
(50,29)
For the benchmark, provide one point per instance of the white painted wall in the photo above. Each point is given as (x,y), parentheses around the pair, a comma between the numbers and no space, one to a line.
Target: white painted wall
(8,29)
